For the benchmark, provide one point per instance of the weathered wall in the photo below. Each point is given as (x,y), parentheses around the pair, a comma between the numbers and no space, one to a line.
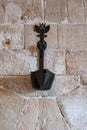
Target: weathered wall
(64,107)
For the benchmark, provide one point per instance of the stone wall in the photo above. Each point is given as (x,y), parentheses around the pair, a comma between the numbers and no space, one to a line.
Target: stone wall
(64,107)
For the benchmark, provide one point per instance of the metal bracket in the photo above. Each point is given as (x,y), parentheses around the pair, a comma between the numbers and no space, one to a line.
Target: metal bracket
(42,29)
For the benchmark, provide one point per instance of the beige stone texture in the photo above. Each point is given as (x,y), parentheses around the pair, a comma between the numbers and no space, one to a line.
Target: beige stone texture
(17,62)
(55,10)
(84,79)
(72,36)
(23,86)
(55,61)
(76,62)
(64,106)
(64,84)
(41,114)
(11,106)
(52,10)
(64,11)
(52,37)
(18,84)
(11,37)
(31,38)
(85,9)
(75,11)
(13,12)
(2,13)
(24,60)
(74,108)
(16,11)
(18,113)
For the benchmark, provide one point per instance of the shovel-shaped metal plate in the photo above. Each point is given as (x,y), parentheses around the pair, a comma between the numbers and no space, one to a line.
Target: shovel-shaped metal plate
(42,79)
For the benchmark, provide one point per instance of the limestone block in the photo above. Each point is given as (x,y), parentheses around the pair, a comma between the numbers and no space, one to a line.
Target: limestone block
(64,84)
(13,12)
(72,36)
(11,37)
(23,11)
(55,11)
(17,62)
(23,62)
(23,86)
(55,61)
(75,11)
(41,114)
(52,10)
(10,108)
(76,62)
(74,108)
(18,84)
(16,11)
(52,38)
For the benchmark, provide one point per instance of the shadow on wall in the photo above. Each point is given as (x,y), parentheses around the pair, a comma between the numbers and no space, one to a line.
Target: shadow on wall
(19,84)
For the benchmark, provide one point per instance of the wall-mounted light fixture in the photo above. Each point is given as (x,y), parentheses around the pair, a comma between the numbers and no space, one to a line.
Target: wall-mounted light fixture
(42,79)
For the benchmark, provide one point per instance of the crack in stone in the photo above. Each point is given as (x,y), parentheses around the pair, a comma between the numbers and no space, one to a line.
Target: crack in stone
(66,61)
(71,91)
(18,121)
(60,107)
(63,116)
(21,114)
(58,98)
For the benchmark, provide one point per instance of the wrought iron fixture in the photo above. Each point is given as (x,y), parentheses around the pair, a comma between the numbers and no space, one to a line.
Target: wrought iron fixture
(42,79)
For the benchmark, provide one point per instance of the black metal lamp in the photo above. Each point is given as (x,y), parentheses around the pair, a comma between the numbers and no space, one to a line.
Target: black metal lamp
(42,79)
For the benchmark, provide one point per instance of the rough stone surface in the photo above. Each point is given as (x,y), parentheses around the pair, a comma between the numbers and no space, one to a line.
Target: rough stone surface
(55,61)
(17,62)
(85,9)
(84,79)
(72,36)
(41,114)
(31,38)
(13,12)
(55,11)
(11,37)
(52,10)
(64,11)
(64,84)
(74,108)
(64,106)
(52,38)
(16,11)
(22,85)
(2,13)
(18,84)
(76,62)
(10,109)
(23,62)
(75,11)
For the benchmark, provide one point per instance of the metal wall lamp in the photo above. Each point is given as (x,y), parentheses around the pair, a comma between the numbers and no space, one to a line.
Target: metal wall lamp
(42,79)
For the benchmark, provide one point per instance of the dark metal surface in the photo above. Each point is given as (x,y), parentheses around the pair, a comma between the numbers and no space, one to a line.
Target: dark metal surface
(42,45)
(43,78)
